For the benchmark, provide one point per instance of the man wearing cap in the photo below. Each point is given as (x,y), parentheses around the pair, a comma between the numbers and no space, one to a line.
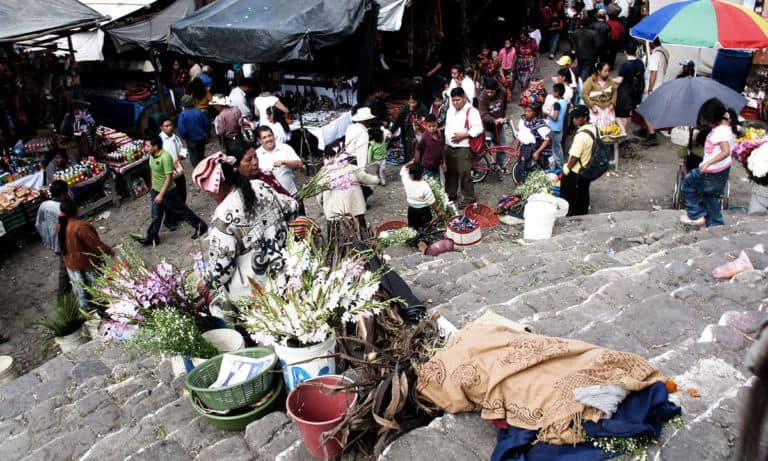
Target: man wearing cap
(565,63)
(688,69)
(193,129)
(458,156)
(227,123)
(459,80)
(573,188)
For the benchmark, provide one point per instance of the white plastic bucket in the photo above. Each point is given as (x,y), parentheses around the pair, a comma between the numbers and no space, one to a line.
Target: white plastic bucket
(294,374)
(225,339)
(560,204)
(539,220)
(7,372)
(92,328)
(71,342)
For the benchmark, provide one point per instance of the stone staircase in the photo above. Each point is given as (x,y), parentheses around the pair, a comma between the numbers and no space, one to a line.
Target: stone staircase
(633,281)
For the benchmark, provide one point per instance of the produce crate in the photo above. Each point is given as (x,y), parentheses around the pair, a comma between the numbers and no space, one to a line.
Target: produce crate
(12,221)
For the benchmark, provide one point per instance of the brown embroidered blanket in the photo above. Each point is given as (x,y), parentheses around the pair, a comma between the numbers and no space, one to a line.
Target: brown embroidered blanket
(527,379)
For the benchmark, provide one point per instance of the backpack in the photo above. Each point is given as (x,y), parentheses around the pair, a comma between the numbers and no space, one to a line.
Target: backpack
(598,162)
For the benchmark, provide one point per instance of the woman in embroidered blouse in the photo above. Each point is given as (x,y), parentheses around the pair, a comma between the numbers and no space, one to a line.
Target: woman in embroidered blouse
(248,229)
(599,94)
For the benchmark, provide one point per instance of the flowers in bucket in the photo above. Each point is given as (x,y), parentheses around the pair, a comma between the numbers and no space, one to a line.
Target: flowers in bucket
(334,175)
(303,305)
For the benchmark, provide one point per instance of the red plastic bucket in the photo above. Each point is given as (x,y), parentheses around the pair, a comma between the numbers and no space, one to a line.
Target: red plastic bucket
(316,409)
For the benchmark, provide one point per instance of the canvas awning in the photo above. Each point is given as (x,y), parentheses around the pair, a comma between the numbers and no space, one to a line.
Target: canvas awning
(262,31)
(151,31)
(391,14)
(31,19)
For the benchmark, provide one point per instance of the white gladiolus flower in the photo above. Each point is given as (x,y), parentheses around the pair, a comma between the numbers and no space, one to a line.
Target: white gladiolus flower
(757,162)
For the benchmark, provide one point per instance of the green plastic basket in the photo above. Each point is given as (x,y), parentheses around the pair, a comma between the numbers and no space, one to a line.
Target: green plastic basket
(231,397)
(239,422)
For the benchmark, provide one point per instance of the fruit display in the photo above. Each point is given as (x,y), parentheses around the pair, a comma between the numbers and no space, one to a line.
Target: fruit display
(613,130)
(81,172)
(13,196)
(752,134)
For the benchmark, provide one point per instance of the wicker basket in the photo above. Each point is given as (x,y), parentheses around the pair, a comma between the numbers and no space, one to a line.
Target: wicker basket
(463,238)
(230,397)
(390,226)
(482,213)
(239,422)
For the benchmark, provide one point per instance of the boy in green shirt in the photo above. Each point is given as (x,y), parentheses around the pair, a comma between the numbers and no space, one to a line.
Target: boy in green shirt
(163,194)
(377,150)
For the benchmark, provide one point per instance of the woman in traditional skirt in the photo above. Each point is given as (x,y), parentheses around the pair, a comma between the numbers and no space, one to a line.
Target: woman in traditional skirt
(599,94)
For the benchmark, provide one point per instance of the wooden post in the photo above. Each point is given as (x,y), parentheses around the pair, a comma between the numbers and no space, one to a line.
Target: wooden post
(159,86)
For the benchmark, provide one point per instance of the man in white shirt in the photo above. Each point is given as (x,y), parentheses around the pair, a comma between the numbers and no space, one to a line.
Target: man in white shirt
(280,159)
(194,69)
(238,97)
(356,139)
(172,145)
(658,60)
(458,79)
(458,156)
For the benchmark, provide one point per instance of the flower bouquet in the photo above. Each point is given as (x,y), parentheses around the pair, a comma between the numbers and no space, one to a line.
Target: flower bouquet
(334,175)
(170,331)
(754,156)
(305,304)
(443,202)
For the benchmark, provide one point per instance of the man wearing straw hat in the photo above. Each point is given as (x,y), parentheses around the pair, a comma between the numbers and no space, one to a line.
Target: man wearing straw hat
(356,141)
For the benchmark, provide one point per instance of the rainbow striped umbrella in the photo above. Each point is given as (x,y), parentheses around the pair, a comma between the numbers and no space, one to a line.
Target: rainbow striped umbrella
(705,23)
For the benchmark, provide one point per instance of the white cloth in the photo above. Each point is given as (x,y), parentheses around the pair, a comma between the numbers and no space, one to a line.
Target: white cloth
(417,193)
(721,133)
(625,6)
(356,143)
(658,61)
(195,71)
(45,223)
(468,85)
(536,35)
(249,70)
(33,181)
(605,398)
(340,203)
(455,122)
(261,103)
(239,99)
(283,174)
(328,133)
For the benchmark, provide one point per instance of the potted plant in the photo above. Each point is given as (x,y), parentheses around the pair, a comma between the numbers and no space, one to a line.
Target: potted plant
(65,323)
(298,310)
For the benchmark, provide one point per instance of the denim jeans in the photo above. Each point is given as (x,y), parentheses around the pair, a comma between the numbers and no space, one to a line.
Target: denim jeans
(432,174)
(554,43)
(79,280)
(171,204)
(498,139)
(702,195)
(557,147)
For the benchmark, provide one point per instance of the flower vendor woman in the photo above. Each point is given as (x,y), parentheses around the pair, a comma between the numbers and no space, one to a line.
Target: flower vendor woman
(703,186)
(600,94)
(248,230)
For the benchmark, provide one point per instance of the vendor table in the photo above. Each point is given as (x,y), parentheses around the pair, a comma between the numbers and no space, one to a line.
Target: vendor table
(318,86)
(613,143)
(33,181)
(326,126)
(126,173)
(95,185)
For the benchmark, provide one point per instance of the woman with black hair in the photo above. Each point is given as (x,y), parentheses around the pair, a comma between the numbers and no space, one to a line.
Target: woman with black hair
(79,245)
(703,186)
(201,95)
(248,229)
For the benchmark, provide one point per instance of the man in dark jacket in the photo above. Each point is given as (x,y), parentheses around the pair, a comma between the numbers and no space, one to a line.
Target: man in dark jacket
(585,41)
(603,39)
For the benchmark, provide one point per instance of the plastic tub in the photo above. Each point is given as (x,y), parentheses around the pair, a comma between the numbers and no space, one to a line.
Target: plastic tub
(225,339)
(560,204)
(539,220)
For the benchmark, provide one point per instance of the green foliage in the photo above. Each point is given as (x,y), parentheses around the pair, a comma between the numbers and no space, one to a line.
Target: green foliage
(67,317)
(537,181)
(169,331)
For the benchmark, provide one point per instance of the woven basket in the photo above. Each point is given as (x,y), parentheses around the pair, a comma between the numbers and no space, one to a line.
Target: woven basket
(237,396)
(482,213)
(239,422)
(390,226)
(463,238)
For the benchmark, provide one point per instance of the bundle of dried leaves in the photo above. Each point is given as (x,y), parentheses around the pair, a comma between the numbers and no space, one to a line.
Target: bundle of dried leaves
(385,378)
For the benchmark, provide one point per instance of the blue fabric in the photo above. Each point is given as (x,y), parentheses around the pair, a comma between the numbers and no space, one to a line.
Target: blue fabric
(642,412)
(193,125)
(650,27)
(206,80)
(702,193)
(557,125)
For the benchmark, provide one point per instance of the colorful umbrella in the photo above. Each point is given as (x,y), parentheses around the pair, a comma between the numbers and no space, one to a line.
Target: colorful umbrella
(705,23)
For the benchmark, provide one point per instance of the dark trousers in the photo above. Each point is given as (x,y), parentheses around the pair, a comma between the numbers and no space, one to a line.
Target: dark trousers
(586,67)
(63,283)
(575,190)
(170,204)
(196,152)
(418,218)
(459,163)
(171,220)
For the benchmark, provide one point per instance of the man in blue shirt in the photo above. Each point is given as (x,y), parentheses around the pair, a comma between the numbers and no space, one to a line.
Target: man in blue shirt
(193,128)
(556,119)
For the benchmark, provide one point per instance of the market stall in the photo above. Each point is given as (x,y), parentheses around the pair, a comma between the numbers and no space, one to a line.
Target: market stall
(127,160)
(326,125)
(341,91)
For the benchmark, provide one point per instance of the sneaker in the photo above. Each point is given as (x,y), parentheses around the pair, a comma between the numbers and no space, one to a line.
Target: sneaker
(642,132)
(693,222)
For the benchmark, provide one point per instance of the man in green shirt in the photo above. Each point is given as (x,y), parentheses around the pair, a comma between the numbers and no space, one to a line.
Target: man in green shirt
(163,194)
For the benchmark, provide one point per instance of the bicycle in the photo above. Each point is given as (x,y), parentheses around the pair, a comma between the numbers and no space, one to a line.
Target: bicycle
(687,163)
(486,162)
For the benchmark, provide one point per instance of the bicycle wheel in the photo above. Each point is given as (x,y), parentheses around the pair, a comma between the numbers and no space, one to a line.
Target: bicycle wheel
(480,169)
(677,192)
(517,176)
